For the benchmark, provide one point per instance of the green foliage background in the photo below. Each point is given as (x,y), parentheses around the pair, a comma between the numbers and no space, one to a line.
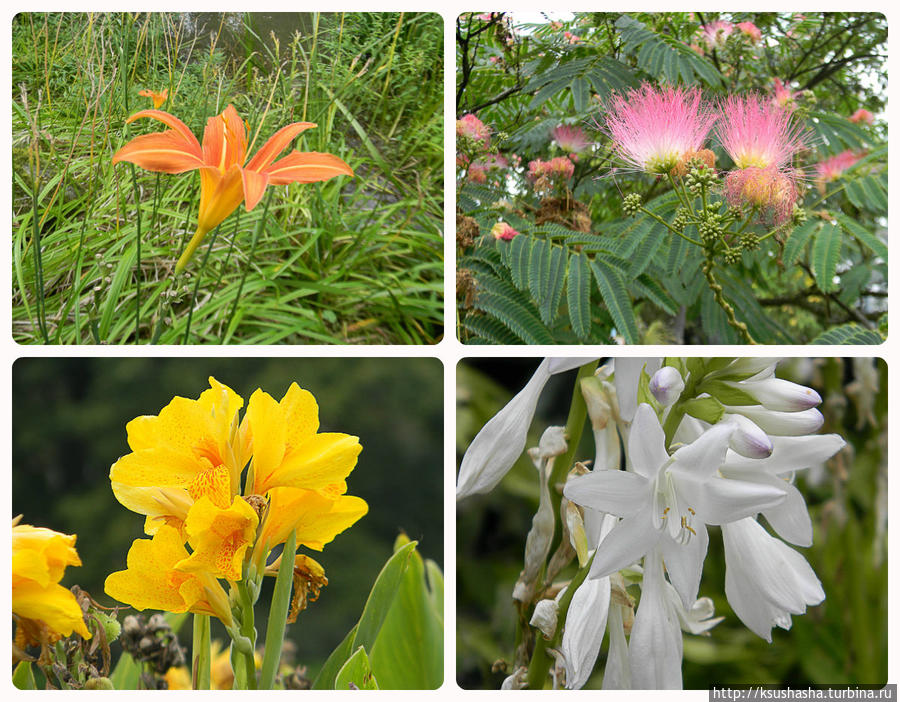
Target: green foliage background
(841,641)
(584,272)
(69,418)
(346,261)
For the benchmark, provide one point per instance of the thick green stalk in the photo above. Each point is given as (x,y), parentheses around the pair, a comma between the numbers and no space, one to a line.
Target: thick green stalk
(242,651)
(187,329)
(281,602)
(200,653)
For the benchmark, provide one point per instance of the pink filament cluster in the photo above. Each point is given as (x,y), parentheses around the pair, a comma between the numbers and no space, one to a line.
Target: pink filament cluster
(503,231)
(569,138)
(863,116)
(783,95)
(758,134)
(751,31)
(652,128)
(471,127)
(771,191)
(556,168)
(832,167)
(716,33)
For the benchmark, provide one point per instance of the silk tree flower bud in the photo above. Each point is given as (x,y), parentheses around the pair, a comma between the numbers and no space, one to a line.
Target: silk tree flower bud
(546,612)
(748,439)
(777,394)
(502,440)
(778,423)
(666,385)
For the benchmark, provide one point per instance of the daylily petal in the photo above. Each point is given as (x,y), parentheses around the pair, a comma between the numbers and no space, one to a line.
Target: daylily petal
(684,563)
(277,143)
(613,491)
(163,152)
(225,141)
(170,121)
(220,195)
(647,442)
(254,187)
(306,167)
(585,627)
(655,647)
(630,539)
(721,500)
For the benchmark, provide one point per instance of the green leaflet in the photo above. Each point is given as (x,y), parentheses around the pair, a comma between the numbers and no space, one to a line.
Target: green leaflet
(615,296)
(848,334)
(578,295)
(825,253)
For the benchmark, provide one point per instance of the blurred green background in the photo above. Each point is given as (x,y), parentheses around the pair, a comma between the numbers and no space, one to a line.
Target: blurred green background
(841,641)
(69,418)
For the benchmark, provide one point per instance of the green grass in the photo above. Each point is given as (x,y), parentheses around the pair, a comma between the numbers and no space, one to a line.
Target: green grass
(346,261)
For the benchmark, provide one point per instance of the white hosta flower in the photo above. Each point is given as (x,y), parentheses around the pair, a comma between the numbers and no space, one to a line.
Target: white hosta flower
(699,618)
(667,501)
(655,648)
(552,443)
(666,385)
(754,367)
(617,674)
(517,681)
(778,423)
(766,581)
(502,440)
(628,372)
(777,394)
(790,519)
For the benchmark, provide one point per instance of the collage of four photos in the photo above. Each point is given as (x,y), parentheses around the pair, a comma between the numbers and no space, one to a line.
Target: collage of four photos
(604,361)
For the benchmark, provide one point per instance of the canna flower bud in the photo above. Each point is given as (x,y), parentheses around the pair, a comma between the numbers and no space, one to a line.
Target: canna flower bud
(666,385)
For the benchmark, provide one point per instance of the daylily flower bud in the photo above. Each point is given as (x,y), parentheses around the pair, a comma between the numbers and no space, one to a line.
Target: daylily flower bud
(666,385)
(748,439)
(778,394)
(544,618)
(781,423)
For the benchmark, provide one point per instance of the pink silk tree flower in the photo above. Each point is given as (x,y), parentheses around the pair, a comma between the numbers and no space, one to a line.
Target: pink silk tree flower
(570,138)
(784,97)
(653,128)
(504,232)
(863,116)
(758,134)
(471,127)
(833,167)
(771,191)
(751,31)
(716,33)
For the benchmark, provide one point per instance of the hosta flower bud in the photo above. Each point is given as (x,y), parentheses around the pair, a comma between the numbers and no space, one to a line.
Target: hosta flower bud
(748,439)
(666,385)
(781,423)
(781,395)
(544,618)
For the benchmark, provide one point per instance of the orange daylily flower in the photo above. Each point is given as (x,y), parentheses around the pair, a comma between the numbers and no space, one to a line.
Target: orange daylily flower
(226,177)
(158,98)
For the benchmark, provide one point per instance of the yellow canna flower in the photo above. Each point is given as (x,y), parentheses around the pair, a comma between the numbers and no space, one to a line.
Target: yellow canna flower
(308,579)
(225,179)
(158,97)
(151,580)
(46,611)
(288,451)
(219,538)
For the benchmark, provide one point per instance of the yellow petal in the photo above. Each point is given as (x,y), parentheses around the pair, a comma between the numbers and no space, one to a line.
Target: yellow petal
(301,414)
(316,518)
(42,554)
(268,430)
(219,538)
(322,459)
(54,605)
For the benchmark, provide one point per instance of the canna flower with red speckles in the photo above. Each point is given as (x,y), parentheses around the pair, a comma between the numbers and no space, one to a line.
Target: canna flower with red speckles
(863,116)
(653,128)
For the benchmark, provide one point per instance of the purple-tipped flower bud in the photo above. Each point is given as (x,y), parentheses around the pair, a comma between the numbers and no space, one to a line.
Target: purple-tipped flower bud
(748,439)
(781,395)
(666,385)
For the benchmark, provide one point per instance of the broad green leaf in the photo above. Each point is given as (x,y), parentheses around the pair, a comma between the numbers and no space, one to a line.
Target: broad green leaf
(578,295)
(23,676)
(127,673)
(374,613)
(615,296)
(356,673)
(825,253)
(409,652)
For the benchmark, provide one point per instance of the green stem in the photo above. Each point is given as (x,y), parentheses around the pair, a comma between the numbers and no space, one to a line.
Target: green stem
(242,652)
(200,653)
(722,302)
(669,226)
(187,329)
(281,602)
(237,297)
